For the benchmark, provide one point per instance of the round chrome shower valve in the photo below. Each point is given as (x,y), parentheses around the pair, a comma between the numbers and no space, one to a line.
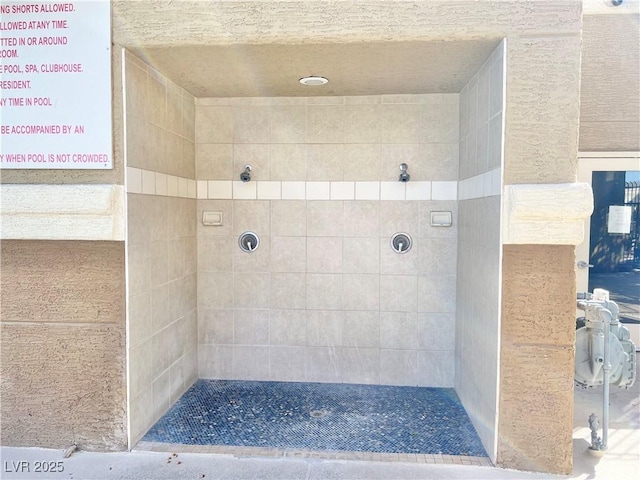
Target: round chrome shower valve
(401,242)
(248,242)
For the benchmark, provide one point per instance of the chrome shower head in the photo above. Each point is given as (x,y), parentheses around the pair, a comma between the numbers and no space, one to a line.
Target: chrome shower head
(404,176)
(246,175)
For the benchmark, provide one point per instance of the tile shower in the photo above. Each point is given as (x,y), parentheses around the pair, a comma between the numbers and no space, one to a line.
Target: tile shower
(324,298)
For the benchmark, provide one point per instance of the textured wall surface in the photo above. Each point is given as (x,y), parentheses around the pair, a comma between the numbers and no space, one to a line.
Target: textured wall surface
(542,108)
(63,344)
(541,142)
(199,23)
(610,88)
(354,68)
(161,246)
(478,277)
(24,266)
(536,361)
(407,47)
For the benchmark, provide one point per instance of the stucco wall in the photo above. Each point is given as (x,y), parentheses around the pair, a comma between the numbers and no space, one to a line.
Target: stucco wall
(541,141)
(536,360)
(542,108)
(63,344)
(192,22)
(610,89)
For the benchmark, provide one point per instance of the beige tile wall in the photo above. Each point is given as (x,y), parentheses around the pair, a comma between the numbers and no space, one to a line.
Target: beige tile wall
(161,244)
(479,248)
(159,118)
(328,138)
(324,298)
(481,118)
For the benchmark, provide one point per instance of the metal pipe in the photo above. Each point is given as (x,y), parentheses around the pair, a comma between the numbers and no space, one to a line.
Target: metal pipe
(606,377)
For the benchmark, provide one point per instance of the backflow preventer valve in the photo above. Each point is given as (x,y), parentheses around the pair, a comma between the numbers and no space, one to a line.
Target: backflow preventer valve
(605,356)
(601,314)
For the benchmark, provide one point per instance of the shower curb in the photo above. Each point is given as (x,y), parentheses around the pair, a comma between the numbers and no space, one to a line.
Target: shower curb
(240,451)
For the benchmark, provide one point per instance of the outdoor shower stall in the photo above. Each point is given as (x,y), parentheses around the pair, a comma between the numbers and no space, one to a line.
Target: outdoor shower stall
(324,297)
(479,100)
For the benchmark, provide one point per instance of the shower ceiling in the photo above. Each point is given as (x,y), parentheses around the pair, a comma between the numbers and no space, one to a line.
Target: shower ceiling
(366,68)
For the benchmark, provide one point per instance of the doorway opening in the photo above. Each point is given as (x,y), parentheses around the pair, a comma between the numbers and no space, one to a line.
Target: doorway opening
(609,257)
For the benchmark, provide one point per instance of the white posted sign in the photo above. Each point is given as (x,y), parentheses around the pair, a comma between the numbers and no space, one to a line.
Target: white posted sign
(55,84)
(619,220)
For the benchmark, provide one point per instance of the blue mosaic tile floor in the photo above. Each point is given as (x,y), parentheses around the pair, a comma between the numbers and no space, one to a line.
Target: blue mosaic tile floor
(320,416)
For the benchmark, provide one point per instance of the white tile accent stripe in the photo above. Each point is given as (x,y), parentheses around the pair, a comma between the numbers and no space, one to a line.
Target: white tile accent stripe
(201,190)
(154,183)
(183,187)
(444,191)
(161,184)
(269,190)
(191,188)
(219,190)
(342,190)
(318,191)
(392,191)
(367,190)
(488,184)
(294,191)
(419,190)
(244,190)
(172,186)
(134,180)
(148,182)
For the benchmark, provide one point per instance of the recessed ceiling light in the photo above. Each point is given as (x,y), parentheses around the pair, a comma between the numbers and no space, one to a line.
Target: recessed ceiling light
(313,81)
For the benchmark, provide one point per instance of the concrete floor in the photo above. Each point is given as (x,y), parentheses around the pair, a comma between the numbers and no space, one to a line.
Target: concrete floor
(152,465)
(622,460)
